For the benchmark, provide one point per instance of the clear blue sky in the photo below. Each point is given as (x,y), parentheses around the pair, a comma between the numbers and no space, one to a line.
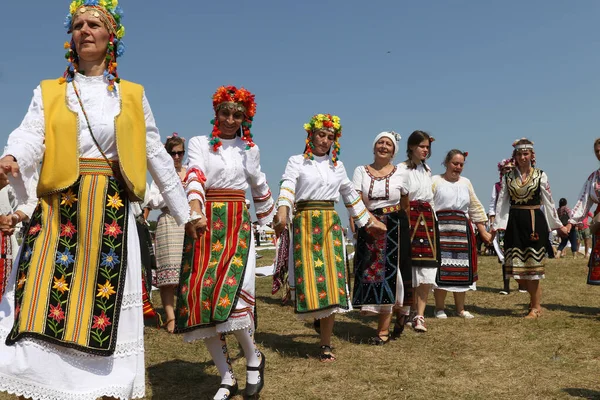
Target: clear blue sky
(476,74)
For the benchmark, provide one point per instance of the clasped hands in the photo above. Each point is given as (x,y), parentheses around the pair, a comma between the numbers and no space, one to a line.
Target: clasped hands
(197,226)
(8,166)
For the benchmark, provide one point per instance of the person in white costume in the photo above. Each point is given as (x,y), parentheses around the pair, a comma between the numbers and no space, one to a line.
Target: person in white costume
(382,263)
(76,333)
(310,185)
(425,255)
(169,236)
(217,281)
(456,207)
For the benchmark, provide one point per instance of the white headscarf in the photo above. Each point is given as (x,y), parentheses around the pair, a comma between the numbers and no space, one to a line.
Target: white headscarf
(393,136)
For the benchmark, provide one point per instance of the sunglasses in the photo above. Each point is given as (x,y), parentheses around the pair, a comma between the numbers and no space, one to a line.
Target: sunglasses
(177,153)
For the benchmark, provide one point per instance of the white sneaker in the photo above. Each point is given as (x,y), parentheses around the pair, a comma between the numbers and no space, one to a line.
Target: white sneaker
(466,315)
(419,324)
(441,314)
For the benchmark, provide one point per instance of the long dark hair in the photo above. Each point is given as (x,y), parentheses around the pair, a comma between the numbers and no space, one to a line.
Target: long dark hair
(415,139)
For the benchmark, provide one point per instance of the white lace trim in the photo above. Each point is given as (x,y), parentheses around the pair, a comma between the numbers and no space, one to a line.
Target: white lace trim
(132,300)
(322,314)
(153,148)
(233,324)
(122,350)
(20,387)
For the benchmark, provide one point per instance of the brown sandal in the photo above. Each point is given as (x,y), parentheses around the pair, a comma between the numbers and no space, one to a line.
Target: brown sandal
(166,325)
(534,313)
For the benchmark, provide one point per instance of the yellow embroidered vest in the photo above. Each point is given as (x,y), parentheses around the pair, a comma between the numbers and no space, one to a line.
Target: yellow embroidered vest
(60,167)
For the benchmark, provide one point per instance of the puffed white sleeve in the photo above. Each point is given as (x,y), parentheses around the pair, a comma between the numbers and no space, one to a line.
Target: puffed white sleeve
(155,199)
(492,206)
(162,170)
(196,178)
(357,178)
(261,194)
(502,207)
(584,201)
(26,145)
(28,207)
(352,200)
(548,203)
(287,186)
(476,210)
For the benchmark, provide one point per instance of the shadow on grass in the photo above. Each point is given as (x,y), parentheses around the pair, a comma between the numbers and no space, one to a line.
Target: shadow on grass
(589,311)
(498,312)
(197,383)
(287,345)
(582,393)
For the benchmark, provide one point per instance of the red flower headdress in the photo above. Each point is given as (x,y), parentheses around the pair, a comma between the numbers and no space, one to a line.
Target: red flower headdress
(237,100)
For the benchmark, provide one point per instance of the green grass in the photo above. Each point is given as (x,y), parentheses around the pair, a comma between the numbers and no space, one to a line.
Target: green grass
(497,355)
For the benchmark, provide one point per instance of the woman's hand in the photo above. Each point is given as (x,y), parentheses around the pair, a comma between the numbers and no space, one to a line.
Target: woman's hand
(280,220)
(197,227)
(492,235)
(7,224)
(8,166)
(562,231)
(486,237)
(376,228)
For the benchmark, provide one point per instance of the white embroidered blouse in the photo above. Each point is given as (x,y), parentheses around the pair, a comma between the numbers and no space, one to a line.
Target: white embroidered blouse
(232,166)
(418,182)
(319,179)
(379,192)
(26,143)
(590,195)
(458,195)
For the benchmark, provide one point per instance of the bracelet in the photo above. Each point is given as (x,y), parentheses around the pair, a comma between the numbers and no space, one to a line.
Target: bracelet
(195,216)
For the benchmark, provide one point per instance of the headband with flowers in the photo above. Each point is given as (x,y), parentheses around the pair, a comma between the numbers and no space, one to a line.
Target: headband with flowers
(320,122)
(505,163)
(111,14)
(234,99)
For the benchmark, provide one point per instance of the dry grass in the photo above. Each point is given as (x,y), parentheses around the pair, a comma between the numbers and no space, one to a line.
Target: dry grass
(496,355)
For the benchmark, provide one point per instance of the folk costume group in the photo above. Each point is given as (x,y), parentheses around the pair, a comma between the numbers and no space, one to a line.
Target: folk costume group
(72,296)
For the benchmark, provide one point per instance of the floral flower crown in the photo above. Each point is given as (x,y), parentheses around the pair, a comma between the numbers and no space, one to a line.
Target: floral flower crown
(234,99)
(320,122)
(111,15)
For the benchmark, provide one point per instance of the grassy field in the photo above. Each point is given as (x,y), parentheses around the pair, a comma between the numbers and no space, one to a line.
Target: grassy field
(497,355)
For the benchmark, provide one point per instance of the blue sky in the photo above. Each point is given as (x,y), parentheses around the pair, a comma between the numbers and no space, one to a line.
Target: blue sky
(475,74)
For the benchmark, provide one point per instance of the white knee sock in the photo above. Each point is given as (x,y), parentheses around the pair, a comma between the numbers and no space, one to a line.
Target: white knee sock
(253,358)
(217,348)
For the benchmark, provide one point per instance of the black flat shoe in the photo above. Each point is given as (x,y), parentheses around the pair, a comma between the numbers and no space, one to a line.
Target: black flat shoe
(398,328)
(233,389)
(253,389)
(379,340)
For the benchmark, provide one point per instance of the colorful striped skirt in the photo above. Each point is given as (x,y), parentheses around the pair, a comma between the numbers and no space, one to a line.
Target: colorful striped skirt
(424,236)
(382,270)
(215,288)
(458,250)
(169,247)
(318,262)
(71,271)
(6,260)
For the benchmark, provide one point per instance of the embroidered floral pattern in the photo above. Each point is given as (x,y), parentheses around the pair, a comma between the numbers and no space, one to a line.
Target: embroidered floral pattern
(101,302)
(318,247)
(225,246)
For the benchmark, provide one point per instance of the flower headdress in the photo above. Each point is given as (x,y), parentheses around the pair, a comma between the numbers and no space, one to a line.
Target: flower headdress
(321,122)
(505,163)
(234,99)
(111,15)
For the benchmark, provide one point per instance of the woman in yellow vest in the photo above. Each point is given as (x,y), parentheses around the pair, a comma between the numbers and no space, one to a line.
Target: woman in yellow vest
(71,321)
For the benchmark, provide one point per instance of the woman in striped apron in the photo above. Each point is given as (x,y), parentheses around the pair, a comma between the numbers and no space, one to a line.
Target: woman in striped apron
(311,184)
(216,285)
(457,207)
